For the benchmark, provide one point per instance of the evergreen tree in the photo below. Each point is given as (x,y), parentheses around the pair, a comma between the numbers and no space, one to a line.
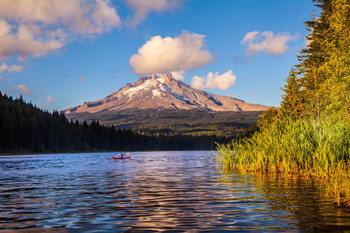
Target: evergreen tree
(337,66)
(292,100)
(323,74)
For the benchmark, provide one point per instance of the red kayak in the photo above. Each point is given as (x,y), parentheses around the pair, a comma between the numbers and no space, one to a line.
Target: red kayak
(124,157)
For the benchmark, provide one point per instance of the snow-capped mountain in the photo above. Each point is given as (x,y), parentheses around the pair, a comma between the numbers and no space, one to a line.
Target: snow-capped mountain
(163,91)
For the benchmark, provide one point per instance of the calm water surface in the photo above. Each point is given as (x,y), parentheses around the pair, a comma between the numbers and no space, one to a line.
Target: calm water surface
(154,191)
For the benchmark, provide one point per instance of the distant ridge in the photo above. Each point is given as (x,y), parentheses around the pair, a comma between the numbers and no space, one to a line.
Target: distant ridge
(163,92)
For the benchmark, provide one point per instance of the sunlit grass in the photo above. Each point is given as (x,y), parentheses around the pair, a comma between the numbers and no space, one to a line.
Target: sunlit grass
(302,148)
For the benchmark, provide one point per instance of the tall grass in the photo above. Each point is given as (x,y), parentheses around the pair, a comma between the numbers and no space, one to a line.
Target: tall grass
(303,148)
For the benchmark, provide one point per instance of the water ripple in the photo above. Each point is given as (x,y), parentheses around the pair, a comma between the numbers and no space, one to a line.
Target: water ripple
(154,191)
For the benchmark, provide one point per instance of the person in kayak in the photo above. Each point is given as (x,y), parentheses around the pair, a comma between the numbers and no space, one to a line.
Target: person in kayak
(121,155)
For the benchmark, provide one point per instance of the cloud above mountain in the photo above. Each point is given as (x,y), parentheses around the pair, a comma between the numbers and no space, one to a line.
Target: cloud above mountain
(34,28)
(23,89)
(13,68)
(143,7)
(178,75)
(166,55)
(267,42)
(214,80)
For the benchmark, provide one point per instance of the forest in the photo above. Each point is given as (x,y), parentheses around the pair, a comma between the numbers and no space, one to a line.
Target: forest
(308,136)
(170,121)
(24,128)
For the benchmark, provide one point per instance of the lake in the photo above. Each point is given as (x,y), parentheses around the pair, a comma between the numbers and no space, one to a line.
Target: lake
(155,191)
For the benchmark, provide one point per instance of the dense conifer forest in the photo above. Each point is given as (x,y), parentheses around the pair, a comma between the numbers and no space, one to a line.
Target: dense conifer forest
(170,121)
(24,128)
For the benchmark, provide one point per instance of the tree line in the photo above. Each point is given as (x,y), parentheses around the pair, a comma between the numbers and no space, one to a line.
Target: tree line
(24,128)
(170,121)
(319,86)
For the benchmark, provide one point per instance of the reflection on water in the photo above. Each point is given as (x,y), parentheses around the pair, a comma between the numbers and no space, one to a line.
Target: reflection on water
(154,191)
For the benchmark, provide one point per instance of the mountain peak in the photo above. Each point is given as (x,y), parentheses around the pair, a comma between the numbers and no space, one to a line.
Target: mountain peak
(159,77)
(164,91)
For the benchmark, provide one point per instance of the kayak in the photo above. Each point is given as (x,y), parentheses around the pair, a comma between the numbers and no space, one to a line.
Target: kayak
(124,157)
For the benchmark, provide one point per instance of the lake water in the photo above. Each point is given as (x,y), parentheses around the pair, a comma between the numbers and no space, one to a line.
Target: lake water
(154,191)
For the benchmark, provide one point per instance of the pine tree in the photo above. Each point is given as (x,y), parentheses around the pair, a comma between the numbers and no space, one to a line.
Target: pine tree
(312,60)
(324,69)
(337,66)
(293,99)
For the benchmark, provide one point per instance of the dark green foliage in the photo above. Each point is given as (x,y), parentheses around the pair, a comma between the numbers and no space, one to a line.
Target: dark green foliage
(24,129)
(292,100)
(323,71)
(169,121)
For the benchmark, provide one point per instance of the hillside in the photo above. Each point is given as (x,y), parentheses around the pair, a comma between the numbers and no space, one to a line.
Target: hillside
(162,104)
(25,128)
(165,92)
(170,121)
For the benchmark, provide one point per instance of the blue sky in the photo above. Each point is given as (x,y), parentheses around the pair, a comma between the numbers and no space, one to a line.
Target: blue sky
(82,52)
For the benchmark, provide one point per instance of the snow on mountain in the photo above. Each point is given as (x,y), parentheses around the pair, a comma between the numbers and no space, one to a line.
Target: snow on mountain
(163,91)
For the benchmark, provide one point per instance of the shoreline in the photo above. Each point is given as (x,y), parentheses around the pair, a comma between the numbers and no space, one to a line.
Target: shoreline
(89,152)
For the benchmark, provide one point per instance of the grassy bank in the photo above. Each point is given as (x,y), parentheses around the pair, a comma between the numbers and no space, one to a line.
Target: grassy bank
(304,148)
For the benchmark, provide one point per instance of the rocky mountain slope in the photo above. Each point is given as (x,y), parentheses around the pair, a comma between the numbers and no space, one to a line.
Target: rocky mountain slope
(163,92)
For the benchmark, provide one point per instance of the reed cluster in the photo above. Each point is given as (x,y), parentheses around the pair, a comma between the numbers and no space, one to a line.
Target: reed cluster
(303,148)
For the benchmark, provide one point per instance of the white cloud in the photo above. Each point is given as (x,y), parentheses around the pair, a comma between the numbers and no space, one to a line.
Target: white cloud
(24,44)
(214,80)
(81,16)
(143,7)
(24,89)
(267,42)
(178,75)
(14,68)
(165,55)
(3,67)
(37,27)
(49,99)
(250,36)
(5,28)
